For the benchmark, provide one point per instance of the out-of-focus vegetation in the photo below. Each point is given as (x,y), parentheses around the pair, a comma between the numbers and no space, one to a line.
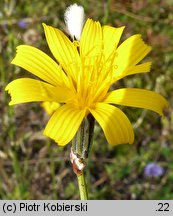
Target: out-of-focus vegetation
(33,167)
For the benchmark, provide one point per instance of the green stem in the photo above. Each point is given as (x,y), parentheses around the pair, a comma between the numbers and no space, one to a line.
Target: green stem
(82,141)
(81,145)
(82,187)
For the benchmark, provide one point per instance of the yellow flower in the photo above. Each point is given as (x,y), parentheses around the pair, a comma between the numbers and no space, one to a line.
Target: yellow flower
(81,81)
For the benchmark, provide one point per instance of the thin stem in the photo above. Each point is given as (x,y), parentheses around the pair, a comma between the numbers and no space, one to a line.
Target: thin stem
(81,145)
(82,187)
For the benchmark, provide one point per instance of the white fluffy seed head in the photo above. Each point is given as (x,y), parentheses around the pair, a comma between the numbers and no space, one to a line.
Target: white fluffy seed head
(74,18)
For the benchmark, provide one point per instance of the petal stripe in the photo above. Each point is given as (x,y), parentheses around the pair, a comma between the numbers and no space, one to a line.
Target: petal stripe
(137,98)
(115,124)
(64,124)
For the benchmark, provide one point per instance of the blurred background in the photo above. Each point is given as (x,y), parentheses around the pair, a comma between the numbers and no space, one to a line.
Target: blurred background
(34,167)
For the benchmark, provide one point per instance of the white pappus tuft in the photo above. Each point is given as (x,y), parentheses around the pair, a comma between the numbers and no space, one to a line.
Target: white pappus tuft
(74,18)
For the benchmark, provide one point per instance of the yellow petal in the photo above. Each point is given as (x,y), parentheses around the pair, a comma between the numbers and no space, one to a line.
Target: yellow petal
(140,68)
(91,40)
(50,106)
(39,64)
(115,124)
(64,124)
(28,90)
(111,38)
(129,53)
(138,98)
(63,49)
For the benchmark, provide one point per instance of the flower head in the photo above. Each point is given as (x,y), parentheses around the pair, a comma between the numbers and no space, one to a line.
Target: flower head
(81,79)
(153,170)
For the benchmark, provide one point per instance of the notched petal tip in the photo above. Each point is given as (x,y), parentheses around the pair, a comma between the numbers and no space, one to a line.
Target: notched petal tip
(164,109)
(149,48)
(139,36)
(90,21)
(13,61)
(11,103)
(7,88)
(19,51)
(132,138)
(149,65)
(111,27)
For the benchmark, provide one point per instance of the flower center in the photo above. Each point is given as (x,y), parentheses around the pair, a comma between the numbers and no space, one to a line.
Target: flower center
(93,80)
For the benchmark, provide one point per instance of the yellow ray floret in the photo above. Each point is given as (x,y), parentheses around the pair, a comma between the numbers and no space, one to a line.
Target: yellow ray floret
(39,64)
(138,98)
(28,90)
(115,124)
(64,124)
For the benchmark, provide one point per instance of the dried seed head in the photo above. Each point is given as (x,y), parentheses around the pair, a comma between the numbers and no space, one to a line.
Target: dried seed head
(74,18)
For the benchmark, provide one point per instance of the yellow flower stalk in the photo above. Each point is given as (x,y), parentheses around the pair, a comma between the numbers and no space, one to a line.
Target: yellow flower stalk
(81,79)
